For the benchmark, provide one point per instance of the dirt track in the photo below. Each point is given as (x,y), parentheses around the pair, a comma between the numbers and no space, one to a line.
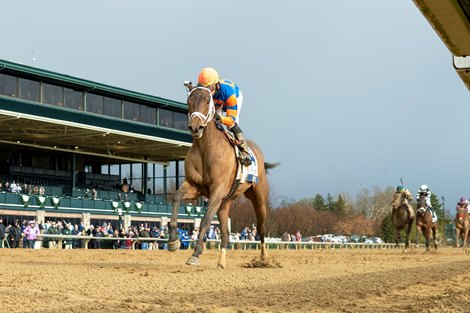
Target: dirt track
(159,281)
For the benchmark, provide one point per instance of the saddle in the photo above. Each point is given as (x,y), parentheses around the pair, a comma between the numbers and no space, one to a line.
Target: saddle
(231,138)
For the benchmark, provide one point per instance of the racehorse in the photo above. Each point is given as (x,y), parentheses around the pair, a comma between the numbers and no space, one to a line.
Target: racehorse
(462,227)
(424,222)
(210,170)
(401,217)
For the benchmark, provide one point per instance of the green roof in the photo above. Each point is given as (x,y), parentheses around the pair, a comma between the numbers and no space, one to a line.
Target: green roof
(87,85)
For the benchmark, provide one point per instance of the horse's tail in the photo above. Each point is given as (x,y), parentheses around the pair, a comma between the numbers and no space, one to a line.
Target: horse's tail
(269,166)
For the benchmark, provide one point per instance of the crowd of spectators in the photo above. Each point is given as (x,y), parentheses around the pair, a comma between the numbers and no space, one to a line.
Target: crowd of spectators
(16,187)
(25,235)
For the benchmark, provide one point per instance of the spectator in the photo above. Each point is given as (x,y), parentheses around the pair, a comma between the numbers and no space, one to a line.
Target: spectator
(42,191)
(244,234)
(67,230)
(211,234)
(53,230)
(298,236)
(14,187)
(31,232)
(35,190)
(76,232)
(116,243)
(129,234)
(285,236)
(15,235)
(144,234)
(2,232)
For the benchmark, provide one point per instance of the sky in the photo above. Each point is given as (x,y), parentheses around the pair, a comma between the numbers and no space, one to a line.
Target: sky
(345,94)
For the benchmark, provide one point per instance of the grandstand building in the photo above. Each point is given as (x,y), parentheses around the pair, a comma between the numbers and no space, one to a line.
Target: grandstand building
(100,153)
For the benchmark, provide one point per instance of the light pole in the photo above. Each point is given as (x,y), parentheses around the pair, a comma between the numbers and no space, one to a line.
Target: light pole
(443,206)
(120,219)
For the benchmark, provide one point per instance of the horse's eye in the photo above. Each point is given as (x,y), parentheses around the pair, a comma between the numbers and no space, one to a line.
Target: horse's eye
(209,101)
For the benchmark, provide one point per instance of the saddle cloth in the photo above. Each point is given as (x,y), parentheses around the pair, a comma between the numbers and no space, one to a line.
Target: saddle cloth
(247,174)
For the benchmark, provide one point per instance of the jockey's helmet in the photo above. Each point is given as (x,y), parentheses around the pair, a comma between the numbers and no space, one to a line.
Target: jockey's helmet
(423,188)
(400,188)
(462,200)
(208,76)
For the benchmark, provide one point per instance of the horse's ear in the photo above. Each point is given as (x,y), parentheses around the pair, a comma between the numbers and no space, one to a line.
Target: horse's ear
(188,85)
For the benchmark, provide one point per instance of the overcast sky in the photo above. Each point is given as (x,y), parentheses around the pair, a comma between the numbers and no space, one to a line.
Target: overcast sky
(345,94)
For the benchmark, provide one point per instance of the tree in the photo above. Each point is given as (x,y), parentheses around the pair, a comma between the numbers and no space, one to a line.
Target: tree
(330,203)
(319,202)
(339,206)
(437,206)
(387,230)
(374,205)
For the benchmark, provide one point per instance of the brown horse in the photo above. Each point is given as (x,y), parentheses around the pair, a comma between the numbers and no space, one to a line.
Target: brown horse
(402,217)
(462,227)
(424,222)
(210,170)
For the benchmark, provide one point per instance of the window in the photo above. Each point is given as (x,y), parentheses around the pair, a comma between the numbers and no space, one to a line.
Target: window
(180,121)
(28,89)
(112,107)
(94,103)
(147,114)
(131,111)
(73,99)
(8,85)
(52,94)
(165,118)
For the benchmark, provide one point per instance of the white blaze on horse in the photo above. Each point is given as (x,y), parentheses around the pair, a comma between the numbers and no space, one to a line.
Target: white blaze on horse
(211,167)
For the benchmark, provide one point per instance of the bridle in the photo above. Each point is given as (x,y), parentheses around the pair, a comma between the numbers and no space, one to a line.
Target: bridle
(210,115)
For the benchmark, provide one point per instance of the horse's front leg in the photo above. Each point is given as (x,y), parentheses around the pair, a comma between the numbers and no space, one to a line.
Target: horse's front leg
(464,243)
(408,231)
(214,205)
(224,231)
(417,236)
(457,237)
(427,234)
(186,191)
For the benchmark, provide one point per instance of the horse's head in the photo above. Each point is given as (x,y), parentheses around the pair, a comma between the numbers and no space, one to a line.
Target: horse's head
(421,207)
(201,110)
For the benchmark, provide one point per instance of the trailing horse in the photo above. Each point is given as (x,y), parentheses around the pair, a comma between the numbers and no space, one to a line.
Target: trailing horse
(211,168)
(462,227)
(424,222)
(402,215)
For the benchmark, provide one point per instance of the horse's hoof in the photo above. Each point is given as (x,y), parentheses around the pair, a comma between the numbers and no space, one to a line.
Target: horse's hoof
(173,245)
(221,266)
(192,260)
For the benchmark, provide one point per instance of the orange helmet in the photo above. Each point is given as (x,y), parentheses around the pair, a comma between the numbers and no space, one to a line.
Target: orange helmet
(208,76)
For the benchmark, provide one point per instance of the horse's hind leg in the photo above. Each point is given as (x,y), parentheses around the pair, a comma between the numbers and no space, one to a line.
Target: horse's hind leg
(434,232)
(186,191)
(224,232)
(258,197)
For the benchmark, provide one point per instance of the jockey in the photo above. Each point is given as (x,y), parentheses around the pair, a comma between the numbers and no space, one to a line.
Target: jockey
(399,191)
(228,98)
(462,204)
(424,191)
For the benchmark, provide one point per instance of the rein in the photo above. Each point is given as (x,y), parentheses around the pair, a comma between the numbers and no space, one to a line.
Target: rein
(210,115)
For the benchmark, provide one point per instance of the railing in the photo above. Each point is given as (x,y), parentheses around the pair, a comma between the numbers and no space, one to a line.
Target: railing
(233,245)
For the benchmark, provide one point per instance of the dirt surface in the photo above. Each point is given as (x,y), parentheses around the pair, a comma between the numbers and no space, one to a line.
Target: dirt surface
(360,280)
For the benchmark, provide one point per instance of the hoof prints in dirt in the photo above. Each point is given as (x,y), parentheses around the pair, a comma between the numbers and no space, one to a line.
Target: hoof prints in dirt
(258,262)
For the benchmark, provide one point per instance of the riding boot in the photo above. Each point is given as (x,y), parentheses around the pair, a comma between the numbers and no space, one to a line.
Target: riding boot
(245,155)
